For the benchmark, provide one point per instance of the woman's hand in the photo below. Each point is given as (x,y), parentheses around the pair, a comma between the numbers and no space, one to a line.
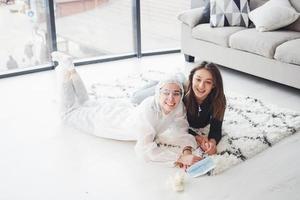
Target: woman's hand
(209,146)
(201,140)
(186,160)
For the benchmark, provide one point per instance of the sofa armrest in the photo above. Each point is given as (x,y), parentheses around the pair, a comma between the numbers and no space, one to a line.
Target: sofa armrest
(191,17)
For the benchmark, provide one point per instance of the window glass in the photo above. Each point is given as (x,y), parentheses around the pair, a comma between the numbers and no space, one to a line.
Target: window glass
(160,28)
(24,39)
(89,28)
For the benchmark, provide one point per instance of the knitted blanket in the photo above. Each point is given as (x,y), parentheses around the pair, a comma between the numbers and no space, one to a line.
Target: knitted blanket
(250,125)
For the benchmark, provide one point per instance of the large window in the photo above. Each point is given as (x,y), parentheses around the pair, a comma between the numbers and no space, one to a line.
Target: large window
(24,42)
(88,28)
(160,28)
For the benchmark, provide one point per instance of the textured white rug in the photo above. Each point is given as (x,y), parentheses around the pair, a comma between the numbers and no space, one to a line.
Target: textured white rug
(250,125)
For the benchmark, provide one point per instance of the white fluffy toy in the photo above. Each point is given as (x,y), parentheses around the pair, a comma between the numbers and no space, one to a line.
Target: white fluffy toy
(177,181)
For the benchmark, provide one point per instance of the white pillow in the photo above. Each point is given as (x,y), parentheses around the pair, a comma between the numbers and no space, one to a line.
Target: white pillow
(273,15)
(191,17)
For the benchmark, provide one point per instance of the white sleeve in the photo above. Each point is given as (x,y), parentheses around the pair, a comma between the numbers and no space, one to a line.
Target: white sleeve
(148,150)
(179,130)
(176,134)
(146,147)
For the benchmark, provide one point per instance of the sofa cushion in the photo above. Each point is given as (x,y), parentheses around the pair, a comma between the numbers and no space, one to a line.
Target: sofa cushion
(296,4)
(288,52)
(229,13)
(261,43)
(273,15)
(218,35)
(296,25)
(191,17)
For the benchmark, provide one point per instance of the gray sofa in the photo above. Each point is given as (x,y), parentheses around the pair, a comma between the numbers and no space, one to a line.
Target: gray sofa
(273,55)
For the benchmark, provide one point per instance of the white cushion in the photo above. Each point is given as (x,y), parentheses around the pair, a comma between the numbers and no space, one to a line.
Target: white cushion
(273,15)
(296,25)
(217,35)
(288,52)
(261,43)
(191,17)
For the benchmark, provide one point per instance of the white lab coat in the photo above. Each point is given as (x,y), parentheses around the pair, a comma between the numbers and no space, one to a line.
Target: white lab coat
(159,137)
(169,131)
(120,120)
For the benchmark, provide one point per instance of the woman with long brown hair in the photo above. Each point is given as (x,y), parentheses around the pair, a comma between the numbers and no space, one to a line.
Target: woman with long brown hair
(205,103)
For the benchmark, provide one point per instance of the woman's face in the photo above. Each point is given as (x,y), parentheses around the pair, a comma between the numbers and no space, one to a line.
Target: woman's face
(202,84)
(169,98)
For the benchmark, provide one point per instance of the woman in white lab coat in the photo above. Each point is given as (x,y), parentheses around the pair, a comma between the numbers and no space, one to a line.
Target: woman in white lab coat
(158,124)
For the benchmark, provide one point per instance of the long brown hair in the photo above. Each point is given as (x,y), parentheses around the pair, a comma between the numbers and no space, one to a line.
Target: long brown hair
(217,94)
